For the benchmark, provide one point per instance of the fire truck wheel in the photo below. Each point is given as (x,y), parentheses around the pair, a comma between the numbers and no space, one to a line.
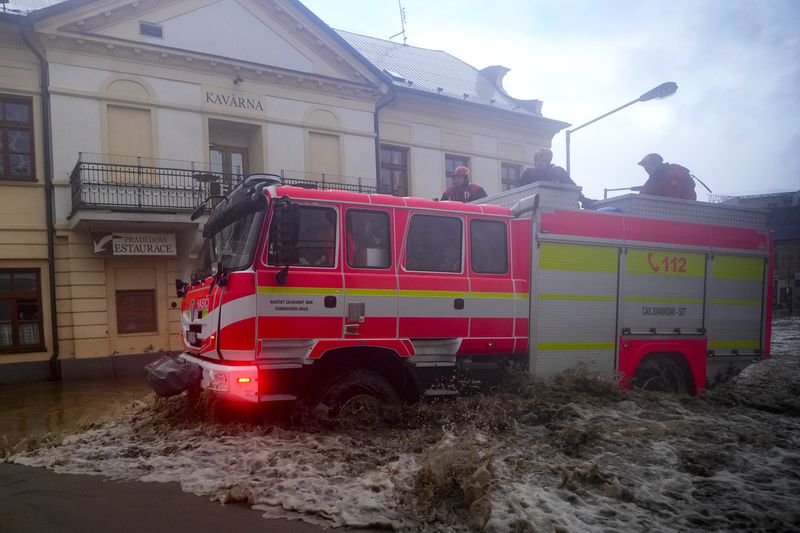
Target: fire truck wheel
(356,392)
(660,372)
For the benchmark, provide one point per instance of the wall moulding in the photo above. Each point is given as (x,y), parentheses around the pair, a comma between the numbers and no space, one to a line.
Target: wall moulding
(217,67)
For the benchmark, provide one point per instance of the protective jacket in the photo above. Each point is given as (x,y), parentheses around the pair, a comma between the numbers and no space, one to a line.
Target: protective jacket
(550,173)
(464,193)
(672,181)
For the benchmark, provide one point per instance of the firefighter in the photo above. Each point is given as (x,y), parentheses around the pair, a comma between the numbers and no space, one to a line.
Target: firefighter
(462,190)
(667,179)
(544,170)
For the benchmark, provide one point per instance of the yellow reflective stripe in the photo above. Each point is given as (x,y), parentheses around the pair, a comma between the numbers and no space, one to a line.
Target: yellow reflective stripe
(521,295)
(649,299)
(731,301)
(727,267)
(298,290)
(579,297)
(734,344)
(492,295)
(578,257)
(575,346)
(370,292)
(666,263)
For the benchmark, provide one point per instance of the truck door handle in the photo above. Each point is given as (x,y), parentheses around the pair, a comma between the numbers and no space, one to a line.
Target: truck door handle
(351,329)
(458,303)
(330,302)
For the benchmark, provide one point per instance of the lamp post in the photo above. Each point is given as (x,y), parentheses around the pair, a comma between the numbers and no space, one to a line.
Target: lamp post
(662,91)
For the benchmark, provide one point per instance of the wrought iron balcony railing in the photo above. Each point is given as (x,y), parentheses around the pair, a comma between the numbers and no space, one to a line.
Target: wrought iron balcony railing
(105,181)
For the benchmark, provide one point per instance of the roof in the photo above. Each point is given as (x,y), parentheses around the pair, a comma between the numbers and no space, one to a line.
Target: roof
(24,7)
(437,72)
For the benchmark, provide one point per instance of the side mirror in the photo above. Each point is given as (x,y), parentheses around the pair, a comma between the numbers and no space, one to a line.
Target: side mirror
(285,232)
(199,211)
(180,288)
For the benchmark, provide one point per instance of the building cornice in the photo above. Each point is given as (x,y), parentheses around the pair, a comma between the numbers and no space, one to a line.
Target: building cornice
(11,40)
(446,108)
(176,59)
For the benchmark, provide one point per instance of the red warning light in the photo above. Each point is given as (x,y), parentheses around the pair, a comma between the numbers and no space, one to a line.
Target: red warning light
(243,380)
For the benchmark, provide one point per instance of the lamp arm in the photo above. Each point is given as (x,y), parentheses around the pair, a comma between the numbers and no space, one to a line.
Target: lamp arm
(620,108)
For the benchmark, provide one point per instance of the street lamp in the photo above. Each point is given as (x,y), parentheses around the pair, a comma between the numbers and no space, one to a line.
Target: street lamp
(662,91)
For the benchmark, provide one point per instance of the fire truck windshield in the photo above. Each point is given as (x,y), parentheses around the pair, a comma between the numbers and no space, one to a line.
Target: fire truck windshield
(234,244)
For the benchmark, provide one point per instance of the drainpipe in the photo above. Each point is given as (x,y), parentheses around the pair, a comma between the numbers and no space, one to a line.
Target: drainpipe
(27,34)
(385,89)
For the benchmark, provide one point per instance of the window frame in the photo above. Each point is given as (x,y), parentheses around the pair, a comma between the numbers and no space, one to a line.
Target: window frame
(5,154)
(458,161)
(388,165)
(460,220)
(347,234)
(14,296)
(154,313)
(267,254)
(508,184)
(472,253)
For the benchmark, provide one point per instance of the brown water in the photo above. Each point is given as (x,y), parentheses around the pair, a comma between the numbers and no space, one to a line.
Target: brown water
(31,409)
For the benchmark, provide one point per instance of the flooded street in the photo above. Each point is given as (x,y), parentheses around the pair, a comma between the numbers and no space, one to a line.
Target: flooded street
(576,454)
(28,410)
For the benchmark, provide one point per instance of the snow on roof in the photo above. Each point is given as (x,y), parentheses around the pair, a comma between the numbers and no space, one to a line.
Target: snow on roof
(23,7)
(434,71)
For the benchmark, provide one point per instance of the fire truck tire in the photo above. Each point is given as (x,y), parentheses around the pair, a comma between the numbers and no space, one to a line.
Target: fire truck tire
(660,372)
(353,392)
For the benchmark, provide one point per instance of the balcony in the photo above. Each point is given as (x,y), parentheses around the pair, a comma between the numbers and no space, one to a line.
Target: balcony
(167,186)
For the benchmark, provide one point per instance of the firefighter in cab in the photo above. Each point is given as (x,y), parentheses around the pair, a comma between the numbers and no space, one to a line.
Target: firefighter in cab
(462,190)
(667,179)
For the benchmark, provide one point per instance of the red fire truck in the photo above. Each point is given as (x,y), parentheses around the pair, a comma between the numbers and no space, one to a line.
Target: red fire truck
(338,297)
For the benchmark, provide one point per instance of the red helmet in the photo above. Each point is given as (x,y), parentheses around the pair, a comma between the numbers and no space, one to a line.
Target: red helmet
(461,171)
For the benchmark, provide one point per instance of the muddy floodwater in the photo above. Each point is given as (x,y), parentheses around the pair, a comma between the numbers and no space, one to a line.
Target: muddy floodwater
(573,454)
(30,410)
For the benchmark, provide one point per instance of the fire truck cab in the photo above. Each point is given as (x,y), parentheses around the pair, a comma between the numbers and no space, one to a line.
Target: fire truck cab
(337,297)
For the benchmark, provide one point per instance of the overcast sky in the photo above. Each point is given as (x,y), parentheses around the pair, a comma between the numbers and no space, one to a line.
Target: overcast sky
(735,120)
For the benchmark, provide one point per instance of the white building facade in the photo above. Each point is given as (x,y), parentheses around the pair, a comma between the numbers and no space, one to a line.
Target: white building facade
(154,104)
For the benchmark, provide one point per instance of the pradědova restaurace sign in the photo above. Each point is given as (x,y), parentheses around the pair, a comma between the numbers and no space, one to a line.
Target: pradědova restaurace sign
(134,244)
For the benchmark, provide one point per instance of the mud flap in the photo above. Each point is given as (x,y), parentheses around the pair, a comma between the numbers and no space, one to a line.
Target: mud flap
(169,375)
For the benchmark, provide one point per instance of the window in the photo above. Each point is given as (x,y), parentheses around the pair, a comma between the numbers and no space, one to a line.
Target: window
(230,161)
(394,171)
(151,30)
(235,244)
(451,162)
(20,311)
(510,176)
(16,138)
(368,239)
(316,245)
(489,247)
(434,244)
(136,311)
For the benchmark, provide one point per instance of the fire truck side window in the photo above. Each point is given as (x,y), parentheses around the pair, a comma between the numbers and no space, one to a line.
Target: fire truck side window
(489,245)
(368,240)
(434,244)
(316,245)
